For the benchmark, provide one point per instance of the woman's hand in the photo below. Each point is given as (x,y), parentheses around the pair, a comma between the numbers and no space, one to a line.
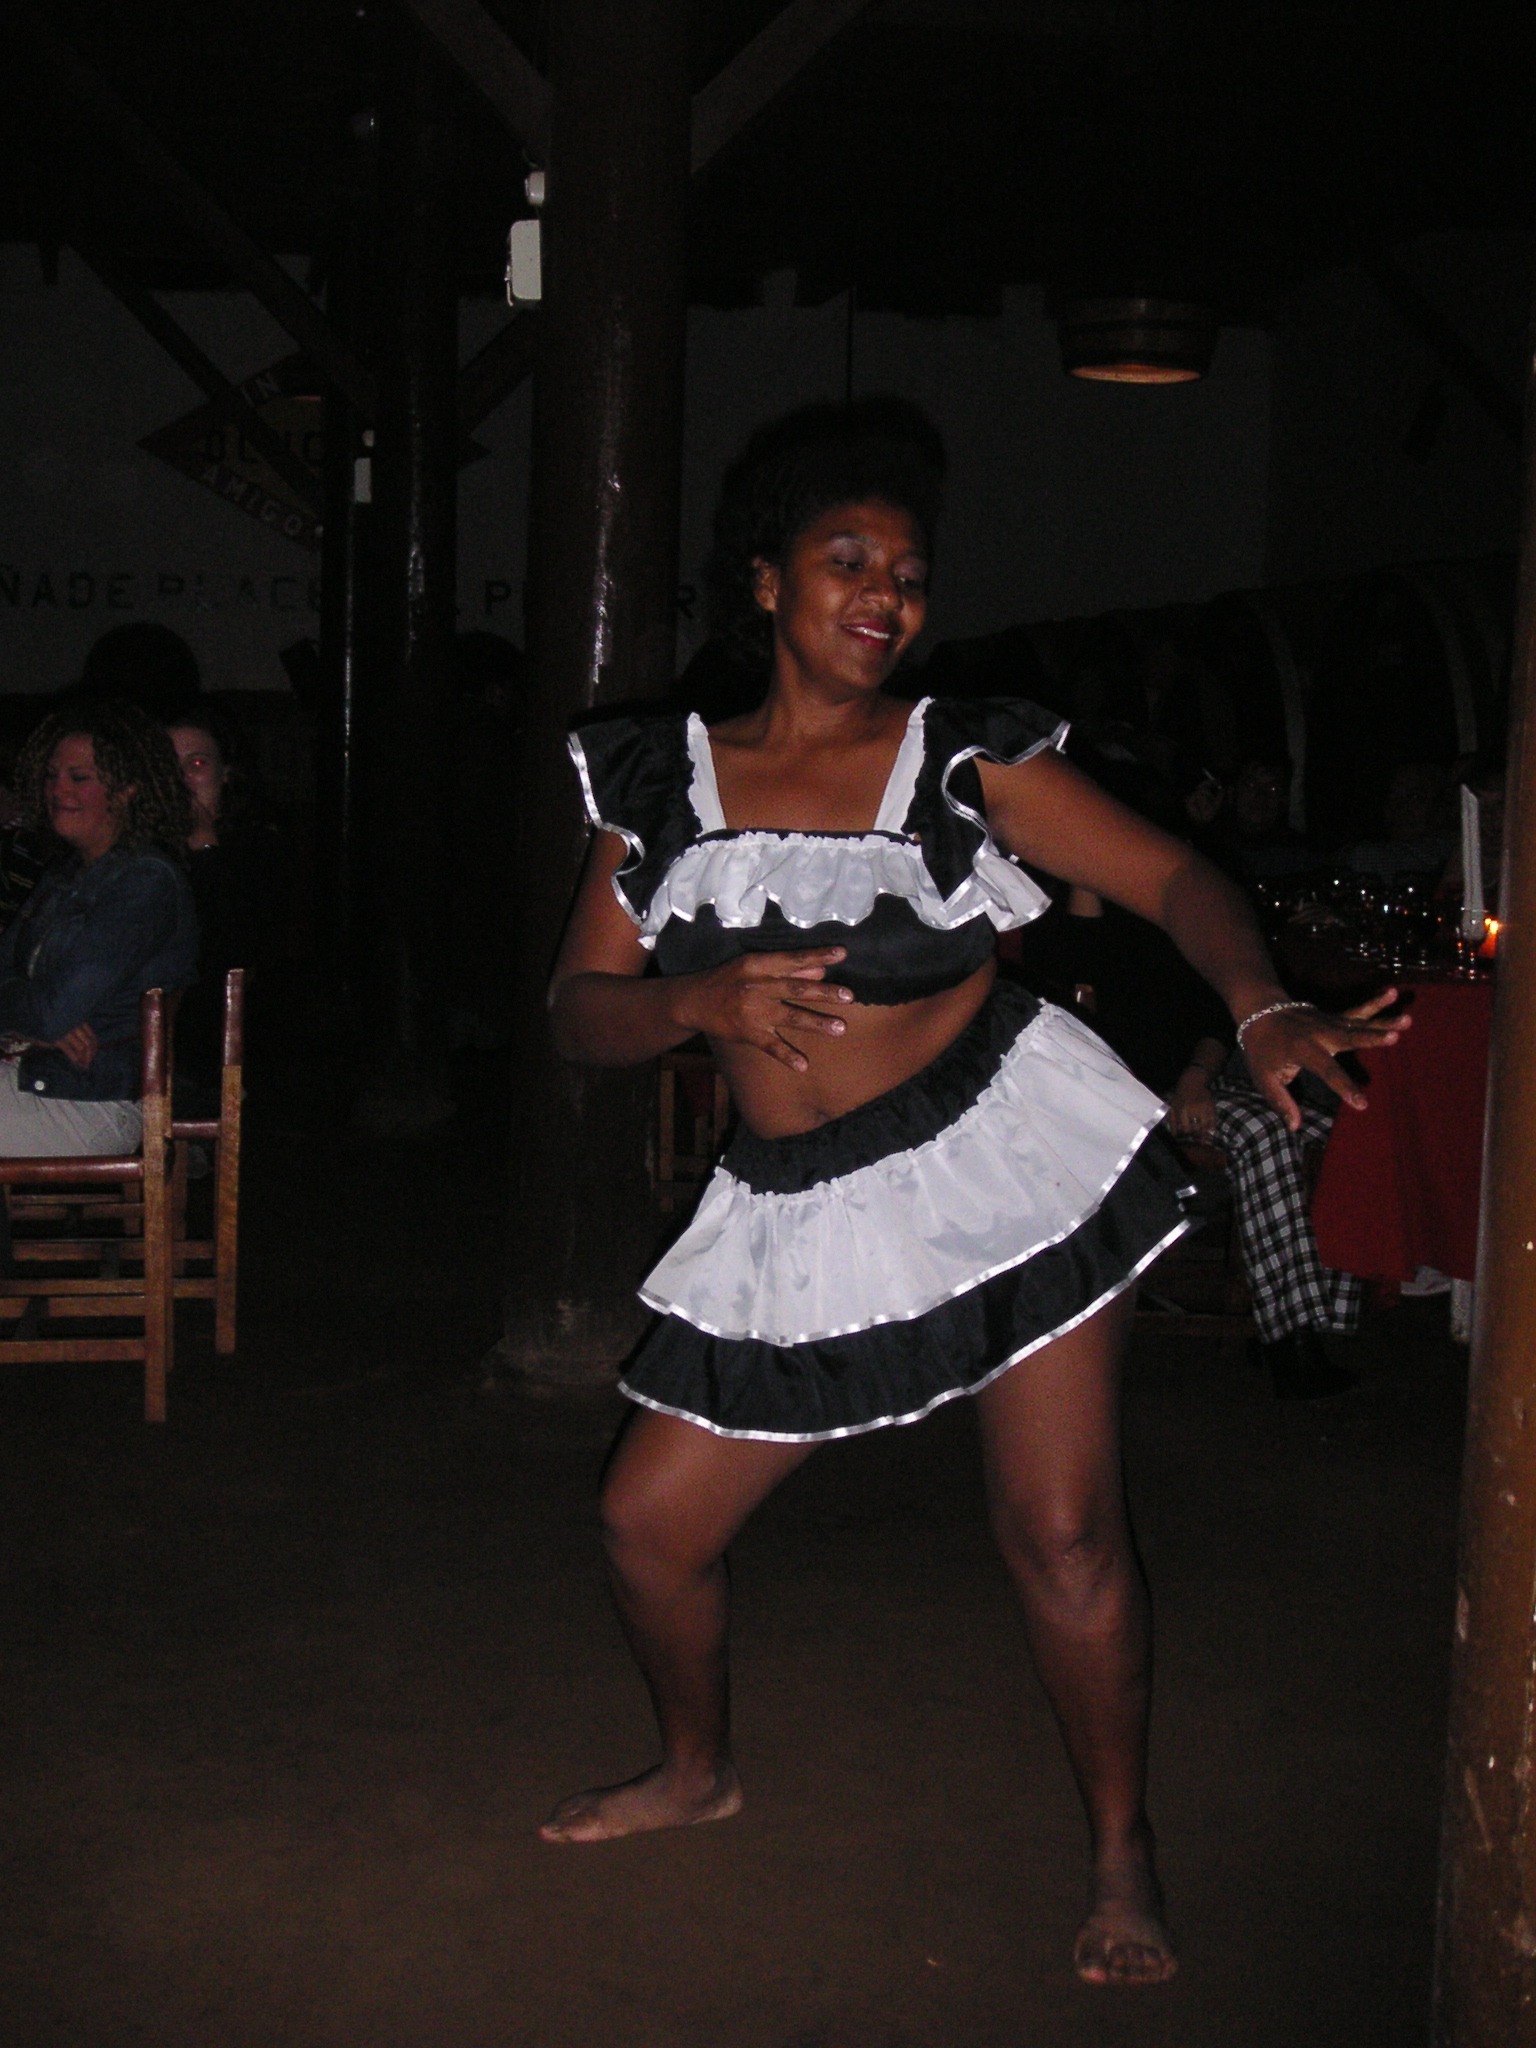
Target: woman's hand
(1277,1048)
(758,998)
(607,1011)
(1191,1106)
(78,1045)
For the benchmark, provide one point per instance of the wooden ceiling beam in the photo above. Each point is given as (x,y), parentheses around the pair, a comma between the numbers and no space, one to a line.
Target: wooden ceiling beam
(1444,340)
(494,65)
(496,370)
(734,97)
(290,306)
(204,372)
(760,71)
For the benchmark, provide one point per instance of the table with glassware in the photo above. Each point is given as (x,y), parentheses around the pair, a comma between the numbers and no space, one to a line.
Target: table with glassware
(1400,1181)
(1345,933)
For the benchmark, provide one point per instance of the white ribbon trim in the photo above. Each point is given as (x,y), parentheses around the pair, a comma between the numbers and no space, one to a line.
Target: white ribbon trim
(1020,1170)
(632,840)
(825,878)
(826,1436)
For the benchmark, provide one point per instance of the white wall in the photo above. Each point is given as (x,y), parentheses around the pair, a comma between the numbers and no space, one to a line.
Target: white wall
(93,532)
(1065,498)
(493,498)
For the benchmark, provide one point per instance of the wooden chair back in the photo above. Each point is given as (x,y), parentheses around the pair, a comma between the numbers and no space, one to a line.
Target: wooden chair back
(28,1300)
(220,1251)
(692,1114)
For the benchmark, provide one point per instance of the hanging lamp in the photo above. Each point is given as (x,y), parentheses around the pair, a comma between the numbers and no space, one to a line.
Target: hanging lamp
(1136,340)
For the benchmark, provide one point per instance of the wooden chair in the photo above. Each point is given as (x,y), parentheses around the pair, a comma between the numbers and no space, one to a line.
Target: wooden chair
(1185,1294)
(1191,1296)
(692,1110)
(221,1251)
(38,1189)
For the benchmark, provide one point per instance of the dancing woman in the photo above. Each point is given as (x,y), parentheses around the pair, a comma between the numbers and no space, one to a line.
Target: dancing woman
(939,1186)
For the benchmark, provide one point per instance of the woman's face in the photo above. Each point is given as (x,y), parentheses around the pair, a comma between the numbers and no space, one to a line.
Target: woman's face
(80,809)
(203,769)
(850,596)
(1258,800)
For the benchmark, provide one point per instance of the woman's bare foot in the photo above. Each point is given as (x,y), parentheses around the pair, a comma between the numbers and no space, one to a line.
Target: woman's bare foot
(656,1799)
(1124,1939)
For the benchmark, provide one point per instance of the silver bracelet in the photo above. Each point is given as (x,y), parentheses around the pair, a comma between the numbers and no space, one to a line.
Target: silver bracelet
(1269,1010)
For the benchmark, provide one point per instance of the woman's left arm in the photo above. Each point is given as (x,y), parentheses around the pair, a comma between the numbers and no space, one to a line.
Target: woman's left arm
(1055,818)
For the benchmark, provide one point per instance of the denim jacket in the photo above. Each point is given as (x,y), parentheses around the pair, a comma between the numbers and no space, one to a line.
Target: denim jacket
(84,947)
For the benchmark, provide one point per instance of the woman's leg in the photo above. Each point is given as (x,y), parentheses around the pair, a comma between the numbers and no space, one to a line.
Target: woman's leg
(1292,1288)
(36,1126)
(674,1497)
(1051,1436)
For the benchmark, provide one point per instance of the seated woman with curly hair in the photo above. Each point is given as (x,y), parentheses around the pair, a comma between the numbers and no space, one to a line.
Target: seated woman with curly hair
(111,917)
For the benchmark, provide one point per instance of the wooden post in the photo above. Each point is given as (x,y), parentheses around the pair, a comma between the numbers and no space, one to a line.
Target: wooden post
(346,607)
(1485,1975)
(343,603)
(601,615)
(402,710)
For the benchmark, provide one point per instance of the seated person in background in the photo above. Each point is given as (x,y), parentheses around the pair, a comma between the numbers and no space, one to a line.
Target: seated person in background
(1259,841)
(146,664)
(23,857)
(23,852)
(1146,1001)
(239,883)
(111,917)
(1174,1035)
(1419,837)
(1295,1296)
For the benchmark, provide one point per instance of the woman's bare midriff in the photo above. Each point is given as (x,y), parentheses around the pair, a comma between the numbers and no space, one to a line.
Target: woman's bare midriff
(883,1045)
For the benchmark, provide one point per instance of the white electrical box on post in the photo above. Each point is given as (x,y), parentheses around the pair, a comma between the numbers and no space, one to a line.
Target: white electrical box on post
(525,282)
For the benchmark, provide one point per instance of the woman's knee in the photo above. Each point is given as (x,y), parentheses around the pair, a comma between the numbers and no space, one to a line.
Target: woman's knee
(647,1534)
(1071,1554)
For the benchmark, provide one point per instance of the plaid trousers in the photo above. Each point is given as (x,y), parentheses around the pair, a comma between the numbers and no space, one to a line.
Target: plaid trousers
(1292,1289)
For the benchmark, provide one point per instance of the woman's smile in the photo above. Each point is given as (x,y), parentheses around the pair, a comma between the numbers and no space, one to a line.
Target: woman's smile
(879,635)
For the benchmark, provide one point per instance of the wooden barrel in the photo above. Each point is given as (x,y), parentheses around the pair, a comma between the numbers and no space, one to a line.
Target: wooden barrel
(1412,668)
(1264,646)
(1345,680)
(1038,660)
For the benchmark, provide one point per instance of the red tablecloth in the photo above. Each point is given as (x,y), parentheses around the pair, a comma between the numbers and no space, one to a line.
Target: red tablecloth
(1400,1181)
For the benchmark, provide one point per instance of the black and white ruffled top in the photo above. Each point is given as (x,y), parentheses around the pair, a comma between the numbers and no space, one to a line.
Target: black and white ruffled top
(917,901)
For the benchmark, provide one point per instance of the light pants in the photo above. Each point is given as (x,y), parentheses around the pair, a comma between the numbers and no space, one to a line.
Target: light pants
(46,1127)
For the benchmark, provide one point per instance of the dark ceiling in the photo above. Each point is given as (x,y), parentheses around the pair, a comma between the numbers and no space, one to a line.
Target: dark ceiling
(935,151)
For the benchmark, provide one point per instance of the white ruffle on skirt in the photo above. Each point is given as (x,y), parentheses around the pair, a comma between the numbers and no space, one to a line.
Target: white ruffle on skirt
(1029,1161)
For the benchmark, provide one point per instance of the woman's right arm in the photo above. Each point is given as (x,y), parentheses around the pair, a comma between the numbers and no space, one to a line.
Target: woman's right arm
(126,924)
(606,1012)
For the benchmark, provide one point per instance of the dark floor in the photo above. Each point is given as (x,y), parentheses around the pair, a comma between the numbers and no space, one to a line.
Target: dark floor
(290,1682)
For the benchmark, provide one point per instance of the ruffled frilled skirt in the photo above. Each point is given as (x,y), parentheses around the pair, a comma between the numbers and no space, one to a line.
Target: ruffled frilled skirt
(863,1272)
